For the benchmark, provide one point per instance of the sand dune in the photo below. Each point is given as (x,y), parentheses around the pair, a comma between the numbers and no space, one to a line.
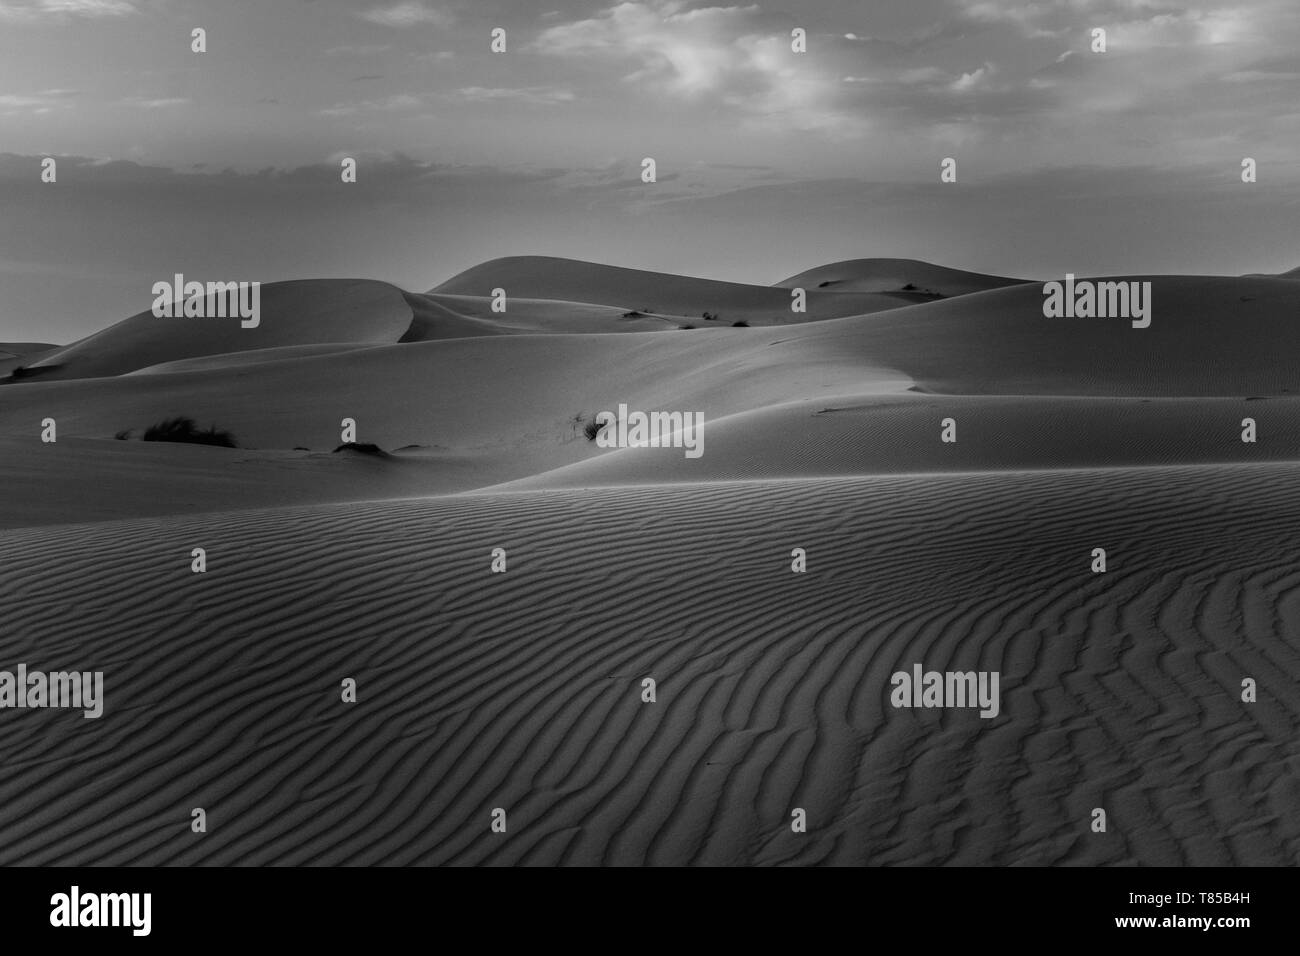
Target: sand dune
(21,349)
(459,316)
(544,277)
(85,479)
(893,275)
(283,353)
(14,354)
(999,343)
(856,395)
(899,434)
(298,313)
(447,394)
(522,690)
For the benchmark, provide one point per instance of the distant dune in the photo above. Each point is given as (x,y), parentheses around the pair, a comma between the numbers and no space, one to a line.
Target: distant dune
(543,277)
(14,354)
(892,275)
(304,312)
(1290,274)
(854,395)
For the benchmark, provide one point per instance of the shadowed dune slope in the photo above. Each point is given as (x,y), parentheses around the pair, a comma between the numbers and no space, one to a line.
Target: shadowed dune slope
(882,434)
(514,396)
(522,690)
(24,348)
(544,277)
(14,354)
(1289,274)
(82,479)
(298,313)
(499,408)
(1208,336)
(459,316)
(886,275)
(249,358)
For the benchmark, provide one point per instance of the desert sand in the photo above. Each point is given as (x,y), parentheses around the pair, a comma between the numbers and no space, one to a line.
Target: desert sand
(523,690)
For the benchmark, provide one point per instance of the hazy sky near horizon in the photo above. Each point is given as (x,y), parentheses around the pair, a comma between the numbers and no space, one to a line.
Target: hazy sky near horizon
(224,164)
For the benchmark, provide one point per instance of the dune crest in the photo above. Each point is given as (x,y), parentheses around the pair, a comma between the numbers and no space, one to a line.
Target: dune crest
(886,275)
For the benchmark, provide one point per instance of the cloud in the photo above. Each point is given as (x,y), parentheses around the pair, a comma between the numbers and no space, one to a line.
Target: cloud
(12,101)
(1280,69)
(684,52)
(407,14)
(356,49)
(729,54)
(389,104)
(45,11)
(147,103)
(1130,24)
(974,80)
(397,171)
(539,95)
(923,75)
(36,104)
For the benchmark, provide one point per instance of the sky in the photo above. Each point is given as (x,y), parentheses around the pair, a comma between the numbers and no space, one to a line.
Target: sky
(225,164)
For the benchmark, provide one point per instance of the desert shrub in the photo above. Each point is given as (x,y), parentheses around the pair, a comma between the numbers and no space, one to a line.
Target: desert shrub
(182,429)
(364,448)
(909,287)
(742,324)
(592,429)
(124,434)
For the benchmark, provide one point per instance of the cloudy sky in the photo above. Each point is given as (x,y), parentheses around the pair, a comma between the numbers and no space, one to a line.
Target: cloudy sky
(224,164)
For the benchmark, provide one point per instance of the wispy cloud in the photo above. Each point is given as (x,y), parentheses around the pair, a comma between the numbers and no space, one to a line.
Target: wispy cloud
(149,103)
(1130,24)
(539,95)
(356,49)
(44,11)
(727,53)
(407,14)
(388,104)
(36,104)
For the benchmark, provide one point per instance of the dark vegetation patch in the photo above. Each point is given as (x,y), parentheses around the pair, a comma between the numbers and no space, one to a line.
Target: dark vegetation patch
(182,429)
(363,448)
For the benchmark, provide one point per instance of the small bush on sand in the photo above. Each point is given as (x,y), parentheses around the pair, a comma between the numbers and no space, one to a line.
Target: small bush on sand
(363,448)
(182,429)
